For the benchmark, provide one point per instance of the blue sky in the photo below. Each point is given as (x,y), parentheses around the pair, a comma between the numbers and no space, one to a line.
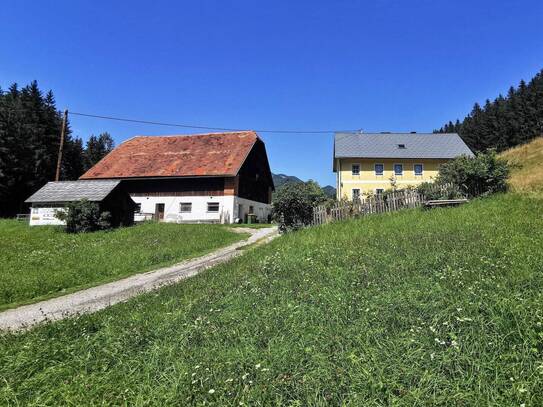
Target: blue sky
(301,65)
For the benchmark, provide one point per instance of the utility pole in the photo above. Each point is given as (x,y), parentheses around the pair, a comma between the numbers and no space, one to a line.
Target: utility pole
(61,146)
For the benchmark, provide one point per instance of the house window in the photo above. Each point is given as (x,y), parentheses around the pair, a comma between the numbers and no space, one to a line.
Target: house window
(401,146)
(185,207)
(213,207)
(398,169)
(379,191)
(356,194)
(379,169)
(356,169)
(418,169)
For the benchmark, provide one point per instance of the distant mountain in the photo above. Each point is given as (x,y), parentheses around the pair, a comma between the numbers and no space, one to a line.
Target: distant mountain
(329,190)
(282,179)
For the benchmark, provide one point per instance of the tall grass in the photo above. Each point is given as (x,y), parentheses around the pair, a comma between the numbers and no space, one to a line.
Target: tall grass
(440,307)
(527,166)
(39,262)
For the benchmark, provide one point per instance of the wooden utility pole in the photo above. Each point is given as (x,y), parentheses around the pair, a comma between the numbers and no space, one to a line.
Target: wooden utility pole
(61,146)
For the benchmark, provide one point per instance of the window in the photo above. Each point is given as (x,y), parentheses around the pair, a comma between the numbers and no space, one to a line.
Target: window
(379,191)
(398,169)
(356,169)
(418,169)
(185,207)
(379,168)
(213,207)
(356,194)
(401,146)
(138,208)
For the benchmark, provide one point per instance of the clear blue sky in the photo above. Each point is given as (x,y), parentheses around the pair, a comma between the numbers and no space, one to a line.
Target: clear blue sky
(374,65)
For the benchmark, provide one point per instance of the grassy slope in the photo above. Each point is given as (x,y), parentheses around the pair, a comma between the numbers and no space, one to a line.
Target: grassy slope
(413,308)
(527,171)
(41,262)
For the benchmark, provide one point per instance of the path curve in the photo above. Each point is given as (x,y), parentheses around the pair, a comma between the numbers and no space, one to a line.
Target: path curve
(102,296)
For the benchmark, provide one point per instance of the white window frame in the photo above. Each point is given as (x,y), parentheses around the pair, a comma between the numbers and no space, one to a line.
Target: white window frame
(181,206)
(421,172)
(214,203)
(359,169)
(375,171)
(352,193)
(394,169)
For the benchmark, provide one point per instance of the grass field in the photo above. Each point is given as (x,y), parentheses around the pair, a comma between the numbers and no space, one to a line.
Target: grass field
(440,307)
(40,262)
(527,166)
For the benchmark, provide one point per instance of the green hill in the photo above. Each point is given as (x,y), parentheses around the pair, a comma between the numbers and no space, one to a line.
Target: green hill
(435,307)
(527,166)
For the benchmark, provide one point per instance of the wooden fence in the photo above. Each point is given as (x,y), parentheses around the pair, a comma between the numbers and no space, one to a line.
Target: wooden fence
(389,202)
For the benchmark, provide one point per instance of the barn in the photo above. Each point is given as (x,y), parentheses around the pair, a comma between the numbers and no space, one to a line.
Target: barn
(203,178)
(108,194)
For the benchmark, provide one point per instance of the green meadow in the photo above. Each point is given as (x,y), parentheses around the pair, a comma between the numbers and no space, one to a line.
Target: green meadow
(42,262)
(435,307)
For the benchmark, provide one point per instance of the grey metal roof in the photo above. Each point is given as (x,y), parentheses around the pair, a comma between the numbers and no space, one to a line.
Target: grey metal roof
(386,145)
(68,191)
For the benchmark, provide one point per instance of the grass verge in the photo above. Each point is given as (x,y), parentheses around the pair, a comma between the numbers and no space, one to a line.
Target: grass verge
(440,307)
(42,262)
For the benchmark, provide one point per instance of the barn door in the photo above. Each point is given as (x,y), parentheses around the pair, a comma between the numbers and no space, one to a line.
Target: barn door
(159,211)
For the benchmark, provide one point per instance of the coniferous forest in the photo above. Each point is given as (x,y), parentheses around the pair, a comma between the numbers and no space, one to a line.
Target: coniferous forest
(30,126)
(506,121)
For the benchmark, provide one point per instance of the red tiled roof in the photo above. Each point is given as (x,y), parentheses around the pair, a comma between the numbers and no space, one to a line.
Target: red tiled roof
(212,154)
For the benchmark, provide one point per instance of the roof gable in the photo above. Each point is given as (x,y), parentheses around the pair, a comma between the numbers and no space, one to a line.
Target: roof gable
(212,154)
(399,145)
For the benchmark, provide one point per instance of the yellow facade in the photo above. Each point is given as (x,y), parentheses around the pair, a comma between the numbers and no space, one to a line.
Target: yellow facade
(368,181)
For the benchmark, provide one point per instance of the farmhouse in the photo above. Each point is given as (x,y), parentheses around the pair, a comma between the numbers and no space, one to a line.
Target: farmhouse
(215,177)
(369,163)
(108,194)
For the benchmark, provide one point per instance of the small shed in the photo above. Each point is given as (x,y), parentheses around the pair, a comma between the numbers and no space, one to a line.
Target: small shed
(108,194)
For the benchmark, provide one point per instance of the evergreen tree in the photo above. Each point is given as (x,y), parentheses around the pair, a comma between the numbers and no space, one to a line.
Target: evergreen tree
(97,148)
(30,126)
(506,121)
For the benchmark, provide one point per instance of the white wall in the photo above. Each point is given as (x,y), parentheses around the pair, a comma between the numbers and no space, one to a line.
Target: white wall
(228,208)
(261,210)
(45,216)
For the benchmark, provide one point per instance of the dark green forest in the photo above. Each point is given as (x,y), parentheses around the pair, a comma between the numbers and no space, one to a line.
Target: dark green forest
(506,121)
(30,126)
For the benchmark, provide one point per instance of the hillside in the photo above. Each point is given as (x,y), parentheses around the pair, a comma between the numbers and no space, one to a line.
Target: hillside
(527,166)
(439,307)
(282,179)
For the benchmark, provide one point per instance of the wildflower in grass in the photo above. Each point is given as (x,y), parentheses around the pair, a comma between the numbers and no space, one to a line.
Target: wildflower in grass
(257,366)
(211,391)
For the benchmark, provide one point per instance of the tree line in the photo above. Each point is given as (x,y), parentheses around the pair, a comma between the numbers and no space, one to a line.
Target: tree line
(506,121)
(30,126)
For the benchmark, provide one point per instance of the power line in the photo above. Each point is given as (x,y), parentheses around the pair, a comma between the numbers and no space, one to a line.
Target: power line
(190,126)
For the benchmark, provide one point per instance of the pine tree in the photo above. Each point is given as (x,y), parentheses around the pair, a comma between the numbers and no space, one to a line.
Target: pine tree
(506,121)
(97,148)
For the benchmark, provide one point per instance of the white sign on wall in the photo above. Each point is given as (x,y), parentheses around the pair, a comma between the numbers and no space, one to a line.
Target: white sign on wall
(45,216)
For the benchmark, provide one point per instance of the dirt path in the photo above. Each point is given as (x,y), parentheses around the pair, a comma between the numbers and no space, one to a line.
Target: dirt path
(99,297)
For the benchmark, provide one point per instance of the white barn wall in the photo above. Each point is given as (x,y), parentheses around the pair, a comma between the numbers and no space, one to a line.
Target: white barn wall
(228,208)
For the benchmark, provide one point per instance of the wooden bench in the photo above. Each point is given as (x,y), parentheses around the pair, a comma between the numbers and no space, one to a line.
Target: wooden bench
(445,202)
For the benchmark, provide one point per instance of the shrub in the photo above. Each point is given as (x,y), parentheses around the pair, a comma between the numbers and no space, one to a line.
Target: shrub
(480,175)
(84,216)
(293,204)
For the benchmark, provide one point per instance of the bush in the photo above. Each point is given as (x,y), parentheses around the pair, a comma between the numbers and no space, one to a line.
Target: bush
(293,204)
(84,216)
(480,175)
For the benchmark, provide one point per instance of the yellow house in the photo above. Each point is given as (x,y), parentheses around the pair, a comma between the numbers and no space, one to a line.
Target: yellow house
(369,163)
